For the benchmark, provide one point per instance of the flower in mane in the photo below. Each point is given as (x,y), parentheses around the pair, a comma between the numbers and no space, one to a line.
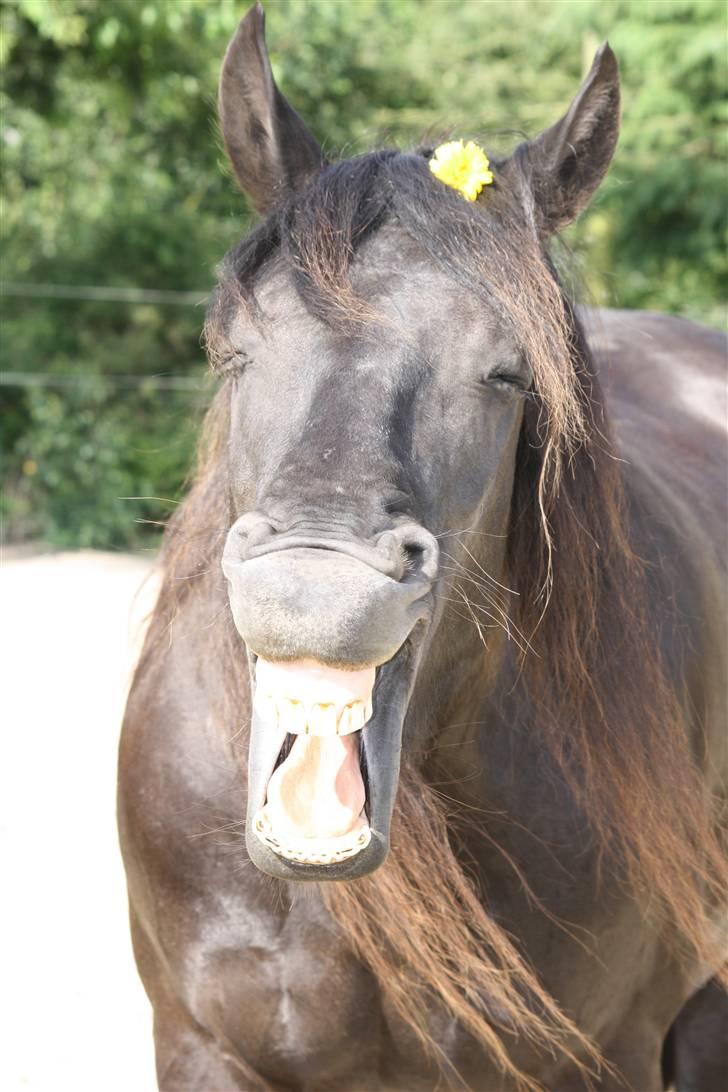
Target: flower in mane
(465,167)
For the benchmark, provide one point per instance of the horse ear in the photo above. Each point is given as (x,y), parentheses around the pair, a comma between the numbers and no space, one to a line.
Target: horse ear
(567,162)
(270,148)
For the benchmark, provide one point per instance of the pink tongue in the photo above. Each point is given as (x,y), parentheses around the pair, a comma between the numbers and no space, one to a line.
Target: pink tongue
(318,792)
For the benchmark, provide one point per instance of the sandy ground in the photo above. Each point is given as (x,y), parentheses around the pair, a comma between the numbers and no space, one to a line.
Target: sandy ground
(73,1013)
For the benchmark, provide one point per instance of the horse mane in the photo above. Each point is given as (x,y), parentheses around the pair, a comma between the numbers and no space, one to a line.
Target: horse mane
(599,689)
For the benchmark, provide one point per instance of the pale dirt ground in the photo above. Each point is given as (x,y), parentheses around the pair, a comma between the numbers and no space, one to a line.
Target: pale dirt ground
(73,1014)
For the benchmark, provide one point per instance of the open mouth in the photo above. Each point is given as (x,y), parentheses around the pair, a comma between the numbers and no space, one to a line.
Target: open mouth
(315,806)
(324,765)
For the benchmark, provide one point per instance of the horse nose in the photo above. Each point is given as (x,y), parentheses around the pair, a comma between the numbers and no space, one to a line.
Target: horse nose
(250,532)
(315,593)
(406,551)
(412,550)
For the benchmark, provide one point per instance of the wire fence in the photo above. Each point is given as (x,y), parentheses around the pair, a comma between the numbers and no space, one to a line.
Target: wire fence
(148,382)
(102,294)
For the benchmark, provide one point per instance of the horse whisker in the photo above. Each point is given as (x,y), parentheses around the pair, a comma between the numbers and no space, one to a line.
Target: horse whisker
(485,572)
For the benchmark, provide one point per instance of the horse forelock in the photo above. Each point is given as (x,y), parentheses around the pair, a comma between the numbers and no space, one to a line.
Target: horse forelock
(601,696)
(489,247)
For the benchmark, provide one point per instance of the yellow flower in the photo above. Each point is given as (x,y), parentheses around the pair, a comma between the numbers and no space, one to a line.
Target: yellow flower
(465,167)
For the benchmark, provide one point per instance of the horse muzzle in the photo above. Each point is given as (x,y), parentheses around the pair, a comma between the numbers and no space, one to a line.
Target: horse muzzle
(334,645)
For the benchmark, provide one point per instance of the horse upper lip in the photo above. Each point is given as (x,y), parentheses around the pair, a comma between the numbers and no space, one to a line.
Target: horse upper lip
(352,548)
(304,603)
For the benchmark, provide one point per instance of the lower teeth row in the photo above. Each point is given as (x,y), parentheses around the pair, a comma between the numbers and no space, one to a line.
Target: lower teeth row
(349,847)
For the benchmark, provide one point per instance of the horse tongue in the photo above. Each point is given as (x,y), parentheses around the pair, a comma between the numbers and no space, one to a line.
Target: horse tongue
(318,792)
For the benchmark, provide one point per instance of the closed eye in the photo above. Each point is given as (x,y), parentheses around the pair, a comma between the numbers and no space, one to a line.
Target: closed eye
(232,365)
(508,380)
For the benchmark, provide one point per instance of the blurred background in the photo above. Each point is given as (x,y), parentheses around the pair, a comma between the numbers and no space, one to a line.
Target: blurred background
(117,203)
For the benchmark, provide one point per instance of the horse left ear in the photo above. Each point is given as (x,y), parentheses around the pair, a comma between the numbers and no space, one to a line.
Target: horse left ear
(567,162)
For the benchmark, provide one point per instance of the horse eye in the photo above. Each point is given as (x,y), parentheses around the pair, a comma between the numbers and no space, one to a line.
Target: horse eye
(508,380)
(232,365)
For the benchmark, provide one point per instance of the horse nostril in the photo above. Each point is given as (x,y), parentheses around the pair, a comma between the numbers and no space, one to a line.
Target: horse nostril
(414,555)
(259,535)
(252,530)
(412,550)
(422,551)
(389,547)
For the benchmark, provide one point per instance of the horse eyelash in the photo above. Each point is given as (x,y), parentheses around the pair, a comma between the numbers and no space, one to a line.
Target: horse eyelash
(233,365)
(513,382)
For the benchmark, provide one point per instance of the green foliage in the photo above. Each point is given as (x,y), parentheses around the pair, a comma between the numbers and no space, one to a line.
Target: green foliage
(114,176)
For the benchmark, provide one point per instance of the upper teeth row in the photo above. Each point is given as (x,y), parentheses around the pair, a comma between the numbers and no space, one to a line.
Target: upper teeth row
(314,718)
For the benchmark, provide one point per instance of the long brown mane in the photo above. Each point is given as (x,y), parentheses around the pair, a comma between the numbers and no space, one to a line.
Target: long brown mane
(604,704)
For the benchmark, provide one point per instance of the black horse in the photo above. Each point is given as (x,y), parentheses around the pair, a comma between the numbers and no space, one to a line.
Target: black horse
(443,612)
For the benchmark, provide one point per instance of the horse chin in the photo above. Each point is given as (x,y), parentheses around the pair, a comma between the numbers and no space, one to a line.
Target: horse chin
(322,786)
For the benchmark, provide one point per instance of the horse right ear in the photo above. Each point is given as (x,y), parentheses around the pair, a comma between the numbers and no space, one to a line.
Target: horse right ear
(568,161)
(271,150)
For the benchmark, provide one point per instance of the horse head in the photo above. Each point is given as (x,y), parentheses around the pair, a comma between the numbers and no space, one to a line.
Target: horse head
(388,344)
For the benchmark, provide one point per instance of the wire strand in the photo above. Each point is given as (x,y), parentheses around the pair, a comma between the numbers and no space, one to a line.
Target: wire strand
(102,293)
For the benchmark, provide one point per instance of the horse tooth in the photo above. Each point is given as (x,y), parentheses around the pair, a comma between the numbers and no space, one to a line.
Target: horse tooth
(292,715)
(356,717)
(348,720)
(322,719)
(266,707)
(368,710)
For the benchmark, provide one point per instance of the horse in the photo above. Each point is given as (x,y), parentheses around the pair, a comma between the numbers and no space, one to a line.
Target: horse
(423,765)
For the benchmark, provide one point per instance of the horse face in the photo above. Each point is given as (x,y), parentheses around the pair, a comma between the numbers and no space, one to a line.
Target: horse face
(358,439)
(351,450)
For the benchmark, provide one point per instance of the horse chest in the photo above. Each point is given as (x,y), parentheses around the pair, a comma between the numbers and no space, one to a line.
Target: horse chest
(292,1002)
(278,987)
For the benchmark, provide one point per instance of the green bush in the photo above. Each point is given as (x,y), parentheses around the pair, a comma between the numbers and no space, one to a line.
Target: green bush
(113,176)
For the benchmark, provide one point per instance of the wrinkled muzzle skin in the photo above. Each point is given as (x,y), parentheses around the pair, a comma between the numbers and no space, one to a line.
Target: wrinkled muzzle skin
(350,456)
